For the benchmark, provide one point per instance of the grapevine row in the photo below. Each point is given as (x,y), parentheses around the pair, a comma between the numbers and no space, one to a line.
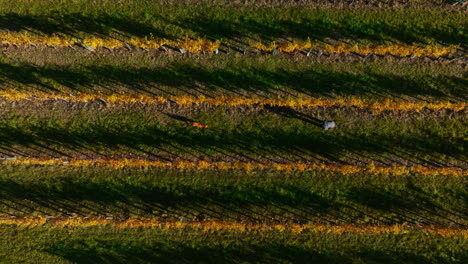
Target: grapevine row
(233,101)
(213,226)
(247,166)
(201,45)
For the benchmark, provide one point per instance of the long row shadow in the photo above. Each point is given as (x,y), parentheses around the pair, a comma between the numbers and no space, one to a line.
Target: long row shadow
(290,202)
(317,26)
(72,24)
(185,78)
(265,24)
(256,143)
(176,251)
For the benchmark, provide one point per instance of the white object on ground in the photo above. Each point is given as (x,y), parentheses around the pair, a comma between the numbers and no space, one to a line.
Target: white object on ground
(327,124)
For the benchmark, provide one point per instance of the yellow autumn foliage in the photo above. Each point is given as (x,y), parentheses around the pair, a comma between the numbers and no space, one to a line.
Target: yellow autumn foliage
(210,46)
(247,166)
(95,42)
(26,38)
(377,106)
(210,226)
(147,42)
(200,44)
(263,47)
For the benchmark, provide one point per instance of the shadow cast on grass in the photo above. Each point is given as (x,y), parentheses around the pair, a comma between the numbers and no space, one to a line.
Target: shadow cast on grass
(185,78)
(76,23)
(291,113)
(193,195)
(413,205)
(259,142)
(170,251)
(234,23)
(347,27)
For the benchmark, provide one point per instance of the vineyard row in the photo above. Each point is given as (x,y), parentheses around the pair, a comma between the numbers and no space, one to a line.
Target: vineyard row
(202,45)
(233,101)
(213,226)
(247,166)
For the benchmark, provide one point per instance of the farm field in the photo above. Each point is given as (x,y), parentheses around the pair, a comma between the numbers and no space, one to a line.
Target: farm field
(193,131)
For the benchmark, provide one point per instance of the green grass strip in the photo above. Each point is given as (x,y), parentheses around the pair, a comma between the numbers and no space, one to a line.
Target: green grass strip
(109,245)
(235,195)
(280,133)
(142,18)
(72,72)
